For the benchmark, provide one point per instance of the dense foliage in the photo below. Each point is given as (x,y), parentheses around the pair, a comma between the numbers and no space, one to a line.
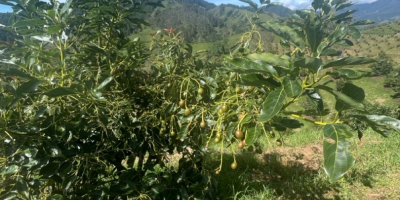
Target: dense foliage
(82,117)
(384,66)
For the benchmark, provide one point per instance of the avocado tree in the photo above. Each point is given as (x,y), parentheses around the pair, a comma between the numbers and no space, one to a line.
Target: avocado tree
(311,38)
(86,111)
(81,117)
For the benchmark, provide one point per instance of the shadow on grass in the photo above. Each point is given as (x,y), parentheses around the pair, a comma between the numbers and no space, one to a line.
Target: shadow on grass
(264,176)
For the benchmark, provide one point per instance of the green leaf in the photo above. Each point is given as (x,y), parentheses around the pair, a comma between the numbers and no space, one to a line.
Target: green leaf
(345,102)
(331,52)
(345,43)
(343,15)
(231,130)
(252,134)
(247,66)
(16,72)
(346,73)
(22,188)
(54,29)
(361,23)
(66,6)
(68,182)
(27,87)
(380,123)
(271,59)
(333,38)
(65,168)
(316,99)
(311,63)
(10,169)
(355,33)
(96,49)
(104,83)
(285,32)
(272,105)
(292,87)
(8,195)
(337,158)
(289,123)
(50,169)
(253,79)
(61,91)
(29,22)
(314,32)
(349,61)
(310,112)
(251,3)
(342,6)
(337,3)
(52,149)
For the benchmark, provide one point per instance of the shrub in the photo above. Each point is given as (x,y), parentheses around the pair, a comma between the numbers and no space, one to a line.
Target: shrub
(384,65)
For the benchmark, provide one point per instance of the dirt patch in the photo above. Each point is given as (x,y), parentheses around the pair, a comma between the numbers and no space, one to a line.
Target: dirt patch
(308,157)
(380,101)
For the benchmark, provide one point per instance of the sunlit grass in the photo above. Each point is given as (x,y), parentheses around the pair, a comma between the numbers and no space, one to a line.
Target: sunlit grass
(272,175)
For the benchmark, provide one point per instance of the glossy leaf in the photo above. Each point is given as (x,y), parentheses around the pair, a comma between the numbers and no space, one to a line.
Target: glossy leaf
(27,87)
(65,168)
(343,15)
(251,3)
(349,61)
(252,134)
(331,52)
(354,32)
(10,169)
(333,38)
(271,59)
(52,149)
(344,101)
(337,158)
(10,195)
(29,22)
(16,72)
(344,5)
(285,32)
(60,91)
(345,43)
(361,23)
(290,123)
(66,6)
(104,83)
(54,29)
(292,87)
(22,188)
(311,63)
(380,123)
(346,73)
(50,169)
(247,66)
(272,105)
(253,79)
(313,28)
(68,182)
(316,98)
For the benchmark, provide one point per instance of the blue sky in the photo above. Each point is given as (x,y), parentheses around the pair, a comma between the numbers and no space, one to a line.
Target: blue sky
(292,4)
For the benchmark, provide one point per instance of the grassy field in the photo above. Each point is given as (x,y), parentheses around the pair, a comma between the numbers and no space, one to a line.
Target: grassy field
(295,170)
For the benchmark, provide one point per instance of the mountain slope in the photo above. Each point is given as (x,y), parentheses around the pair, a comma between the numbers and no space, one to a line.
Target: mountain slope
(200,21)
(378,11)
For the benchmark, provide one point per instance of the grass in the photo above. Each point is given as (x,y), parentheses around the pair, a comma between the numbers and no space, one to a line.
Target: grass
(294,171)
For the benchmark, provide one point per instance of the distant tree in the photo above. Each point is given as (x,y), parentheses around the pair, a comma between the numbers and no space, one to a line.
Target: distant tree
(384,66)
